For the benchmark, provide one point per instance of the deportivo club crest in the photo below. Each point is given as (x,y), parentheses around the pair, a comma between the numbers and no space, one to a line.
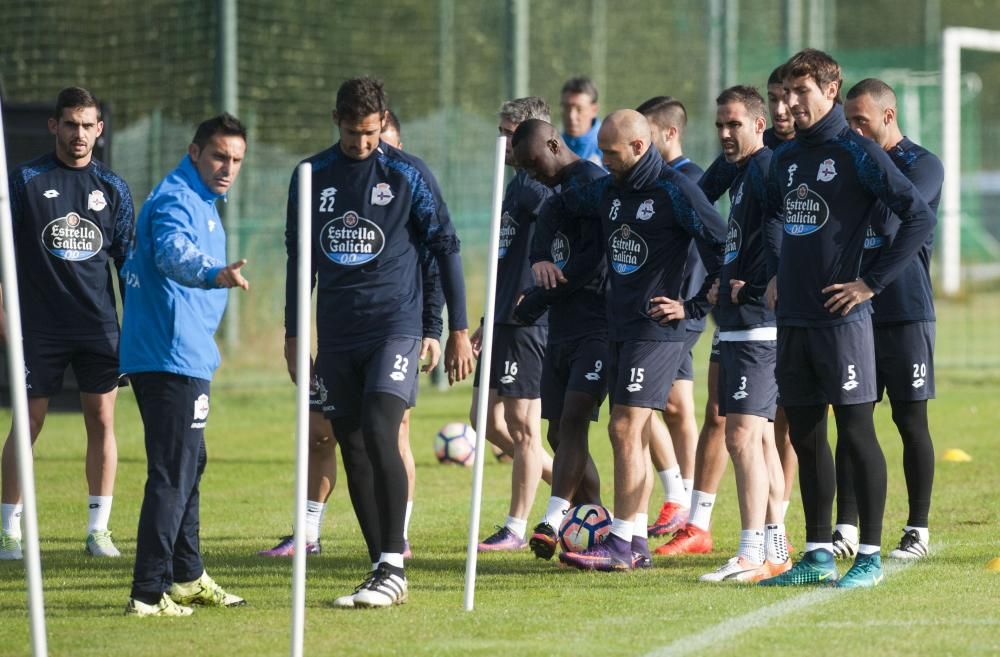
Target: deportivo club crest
(827,171)
(72,237)
(645,211)
(382,194)
(351,240)
(96,201)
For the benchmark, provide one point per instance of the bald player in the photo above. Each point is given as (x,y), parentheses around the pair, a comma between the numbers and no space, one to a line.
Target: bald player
(649,213)
(904,327)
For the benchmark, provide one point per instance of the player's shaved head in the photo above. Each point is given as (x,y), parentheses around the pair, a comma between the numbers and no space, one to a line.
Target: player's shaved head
(879,91)
(539,149)
(624,138)
(534,130)
(664,112)
(626,125)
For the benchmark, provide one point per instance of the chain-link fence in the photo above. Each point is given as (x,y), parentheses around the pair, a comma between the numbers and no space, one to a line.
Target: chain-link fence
(448,64)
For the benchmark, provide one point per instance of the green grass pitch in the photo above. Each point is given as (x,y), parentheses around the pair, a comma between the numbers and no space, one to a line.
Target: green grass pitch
(947,605)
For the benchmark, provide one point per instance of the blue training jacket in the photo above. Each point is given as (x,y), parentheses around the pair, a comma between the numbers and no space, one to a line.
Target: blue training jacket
(173,306)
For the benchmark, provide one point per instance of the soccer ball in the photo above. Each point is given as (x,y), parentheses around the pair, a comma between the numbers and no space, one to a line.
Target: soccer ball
(456,443)
(583,527)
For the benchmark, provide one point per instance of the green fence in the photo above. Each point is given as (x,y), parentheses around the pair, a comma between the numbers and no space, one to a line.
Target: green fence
(448,64)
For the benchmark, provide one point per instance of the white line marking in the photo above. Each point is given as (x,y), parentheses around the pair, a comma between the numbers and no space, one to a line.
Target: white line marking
(700,642)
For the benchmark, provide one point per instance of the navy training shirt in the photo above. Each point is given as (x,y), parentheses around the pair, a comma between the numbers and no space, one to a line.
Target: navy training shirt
(68,223)
(370,219)
(648,220)
(694,270)
(909,298)
(578,307)
(822,189)
(772,140)
(745,256)
(522,200)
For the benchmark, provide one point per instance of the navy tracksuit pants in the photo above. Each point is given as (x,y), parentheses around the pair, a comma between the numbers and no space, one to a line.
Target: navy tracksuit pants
(174,411)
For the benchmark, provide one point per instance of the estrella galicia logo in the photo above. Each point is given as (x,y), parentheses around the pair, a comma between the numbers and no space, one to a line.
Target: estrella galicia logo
(873,240)
(508,232)
(805,211)
(72,238)
(628,250)
(734,240)
(560,250)
(351,240)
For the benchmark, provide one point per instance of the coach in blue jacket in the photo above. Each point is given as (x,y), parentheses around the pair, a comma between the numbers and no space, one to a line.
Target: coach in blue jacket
(177,277)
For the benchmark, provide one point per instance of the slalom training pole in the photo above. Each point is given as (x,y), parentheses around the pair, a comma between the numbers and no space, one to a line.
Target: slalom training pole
(19,407)
(484,377)
(302,380)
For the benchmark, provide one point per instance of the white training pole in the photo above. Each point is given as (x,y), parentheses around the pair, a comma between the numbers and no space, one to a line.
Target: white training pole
(19,407)
(951,198)
(302,374)
(484,377)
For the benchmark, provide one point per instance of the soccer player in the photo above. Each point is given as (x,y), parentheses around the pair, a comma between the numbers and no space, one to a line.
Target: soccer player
(782,126)
(72,216)
(904,328)
(822,189)
(177,289)
(323,445)
(514,414)
(573,372)
(578,101)
(782,130)
(375,207)
(675,467)
(649,212)
(747,341)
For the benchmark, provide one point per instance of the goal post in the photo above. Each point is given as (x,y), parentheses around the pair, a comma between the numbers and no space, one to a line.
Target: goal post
(954,40)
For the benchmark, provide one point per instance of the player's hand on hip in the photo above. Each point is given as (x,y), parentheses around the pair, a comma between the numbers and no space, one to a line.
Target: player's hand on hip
(458,356)
(547,275)
(713,293)
(771,294)
(430,351)
(844,296)
(666,310)
(734,289)
(230,276)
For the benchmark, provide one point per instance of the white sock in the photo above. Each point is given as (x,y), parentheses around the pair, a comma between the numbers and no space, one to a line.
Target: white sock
(701,509)
(517,525)
(922,532)
(673,486)
(850,532)
(640,526)
(868,549)
(784,509)
(688,485)
(11,514)
(819,546)
(752,545)
(555,511)
(314,520)
(776,543)
(406,520)
(622,529)
(391,558)
(98,513)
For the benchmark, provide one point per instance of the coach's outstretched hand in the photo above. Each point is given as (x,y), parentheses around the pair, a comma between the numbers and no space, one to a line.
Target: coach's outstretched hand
(230,276)
(844,296)
(458,358)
